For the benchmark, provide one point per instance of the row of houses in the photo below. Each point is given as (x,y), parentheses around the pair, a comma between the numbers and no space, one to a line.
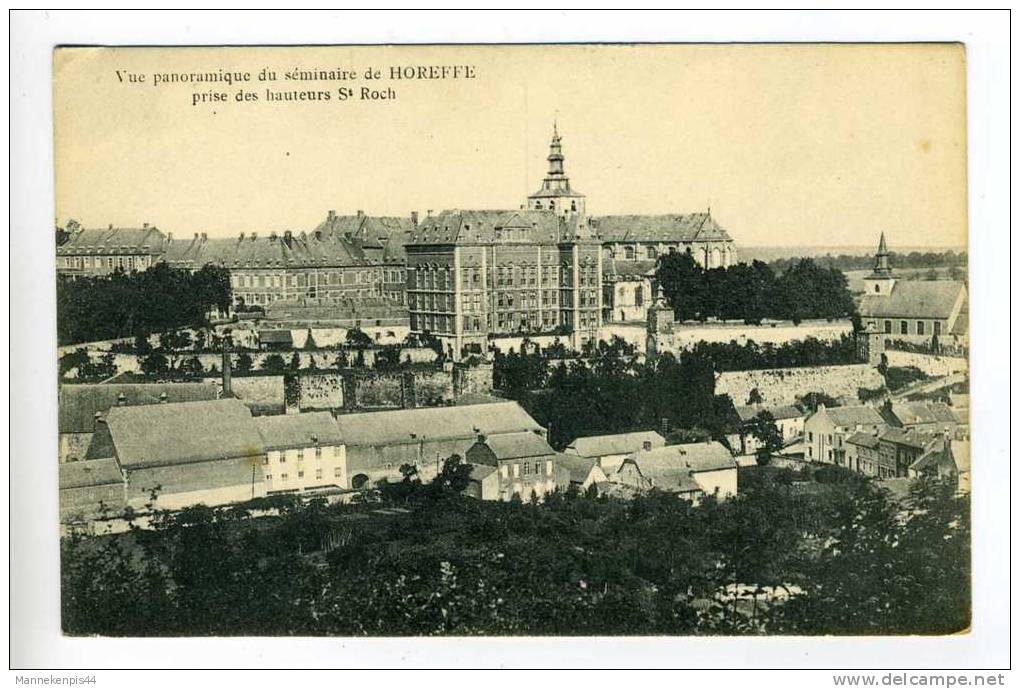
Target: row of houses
(170,455)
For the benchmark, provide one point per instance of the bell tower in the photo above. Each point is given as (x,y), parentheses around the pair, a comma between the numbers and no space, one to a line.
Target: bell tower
(881,281)
(555,194)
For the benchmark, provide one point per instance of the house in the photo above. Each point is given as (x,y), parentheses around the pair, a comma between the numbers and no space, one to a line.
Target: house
(689,470)
(81,407)
(789,420)
(525,464)
(303,452)
(275,340)
(899,448)
(609,451)
(949,459)
(90,489)
(379,443)
(186,453)
(935,417)
(582,472)
(862,453)
(827,429)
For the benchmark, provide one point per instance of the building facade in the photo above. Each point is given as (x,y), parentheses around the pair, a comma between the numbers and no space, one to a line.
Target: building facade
(505,272)
(303,452)
(826,431)
(102,251)
(524,462)
(635,238)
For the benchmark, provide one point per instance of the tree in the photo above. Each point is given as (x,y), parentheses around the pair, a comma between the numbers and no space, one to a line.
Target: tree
(770,440)
(754,397)
(244,363)
(274,363)
(155,364)
(310,341)
(356,337)
(453,477)
(681,281)
(295,362)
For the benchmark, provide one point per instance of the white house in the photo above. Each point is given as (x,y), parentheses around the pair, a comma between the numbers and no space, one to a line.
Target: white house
(303,451)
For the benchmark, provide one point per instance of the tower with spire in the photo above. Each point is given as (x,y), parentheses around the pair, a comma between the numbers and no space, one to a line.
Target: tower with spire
(555,195)
(881,279)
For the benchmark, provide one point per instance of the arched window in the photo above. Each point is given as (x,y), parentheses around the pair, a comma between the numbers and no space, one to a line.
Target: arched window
(628,253)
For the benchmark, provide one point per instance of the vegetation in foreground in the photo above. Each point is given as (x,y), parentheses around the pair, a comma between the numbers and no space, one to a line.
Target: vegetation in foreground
(844,556)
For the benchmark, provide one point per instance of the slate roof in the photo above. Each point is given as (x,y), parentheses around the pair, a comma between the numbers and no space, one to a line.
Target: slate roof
(79,404)
(266,251)
(619,269)
(435,423)
(914,299)
(748,412)
(670,461)
(618,444)
(907,436)
(688,227)
(518,445)
(480,226)
(114,240)
(914,413)
(869,440)
(289,431)
(276,337)
(480,471)
(958,457)
(848,417)
(578,467)
(91,472)
(380,236)
(167,434)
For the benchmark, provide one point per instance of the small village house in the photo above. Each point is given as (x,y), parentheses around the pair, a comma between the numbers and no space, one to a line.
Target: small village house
(582,472)
(525,465)
(303,452)
(827,429)
(690,470)
(609,451)
(947,460)
(788,418)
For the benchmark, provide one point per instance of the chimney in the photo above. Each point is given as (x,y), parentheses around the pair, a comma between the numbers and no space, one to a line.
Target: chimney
(414,218)
(646,446)
(121,399)
(318,234)
(110,226)
(97,419)
(361,214)
(254,236)
(196,236)
(145,225)
(242,235)
(227,392)
(204,236)
(162,397)
(169,236)
(428,213)
(331,215)
(272,236)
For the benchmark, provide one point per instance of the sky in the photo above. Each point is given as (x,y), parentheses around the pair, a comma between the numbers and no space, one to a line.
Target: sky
(808,145)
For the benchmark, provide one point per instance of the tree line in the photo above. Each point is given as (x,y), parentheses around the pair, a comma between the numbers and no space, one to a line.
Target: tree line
(908,260)
(610,390)
(753,293)
(840,557)
(122,304)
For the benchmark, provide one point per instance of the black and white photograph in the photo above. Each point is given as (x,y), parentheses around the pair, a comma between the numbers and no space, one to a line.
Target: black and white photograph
(527,341)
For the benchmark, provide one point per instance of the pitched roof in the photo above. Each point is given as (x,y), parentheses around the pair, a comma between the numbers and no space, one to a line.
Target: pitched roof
(686,227)
(298,430)
(614,268)
(852,416)
(956,459)
(480,471)
(914,299)
(482,227)
(518,445)
(863,439)
(164,434)
(90,472)
(748,412)
(276,337)
(113,240)
(618,444)
(80,403)
(912,413)
(669,462)
(907,436)
(267,251)
(579,467)
(434,423)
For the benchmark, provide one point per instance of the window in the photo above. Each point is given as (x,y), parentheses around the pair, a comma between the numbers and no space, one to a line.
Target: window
(651,252)
(336,472)
(318,473)
(877,288)
(283,477)
(903,327)
(269,477)
(937,327)
(628,253)
(639,295)
(283,458)
(920,327)
(318,453)
(517,470)
(810,437)
(300,474)
(888,327)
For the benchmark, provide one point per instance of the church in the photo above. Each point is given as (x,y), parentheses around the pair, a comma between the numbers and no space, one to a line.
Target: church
(914,311)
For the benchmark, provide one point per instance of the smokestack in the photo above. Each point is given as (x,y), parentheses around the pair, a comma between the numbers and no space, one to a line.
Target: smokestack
(361,214)
(331,215)
(227,391)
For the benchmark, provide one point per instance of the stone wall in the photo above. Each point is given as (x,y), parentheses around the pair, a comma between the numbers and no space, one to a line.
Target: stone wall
(785,385)
(685,335)
(931,364)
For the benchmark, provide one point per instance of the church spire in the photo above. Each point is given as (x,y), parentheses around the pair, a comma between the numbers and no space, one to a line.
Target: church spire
(556,194)
(882,259)
(556,158)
